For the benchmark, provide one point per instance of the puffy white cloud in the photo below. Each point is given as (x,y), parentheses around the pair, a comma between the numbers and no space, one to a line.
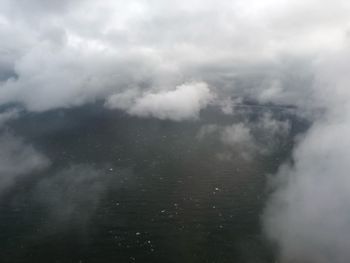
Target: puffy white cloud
(182,103)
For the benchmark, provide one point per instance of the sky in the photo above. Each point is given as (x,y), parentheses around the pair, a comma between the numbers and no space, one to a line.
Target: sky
(157,59)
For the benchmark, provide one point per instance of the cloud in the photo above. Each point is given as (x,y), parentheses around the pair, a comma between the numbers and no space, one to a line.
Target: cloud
(239,137)
(308,213)
(236,134)
(182,103)
(249,137)
(56,54)
(142,57)
(49,77)
(18,159)
(72,193)
(227,105)
(207,130)
(260,136)
(8,115)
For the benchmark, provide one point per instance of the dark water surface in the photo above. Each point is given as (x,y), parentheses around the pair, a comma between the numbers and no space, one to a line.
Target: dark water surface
(124,189)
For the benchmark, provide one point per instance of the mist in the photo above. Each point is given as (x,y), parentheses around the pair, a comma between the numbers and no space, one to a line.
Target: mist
(307,215)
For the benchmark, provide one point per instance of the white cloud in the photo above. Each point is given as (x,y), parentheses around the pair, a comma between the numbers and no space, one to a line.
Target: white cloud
(182,103)
(239,137)
(308,214)
(237,134)
(65,53)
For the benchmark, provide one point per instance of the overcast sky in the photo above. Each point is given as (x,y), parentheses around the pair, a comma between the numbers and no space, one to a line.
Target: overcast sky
(64,53)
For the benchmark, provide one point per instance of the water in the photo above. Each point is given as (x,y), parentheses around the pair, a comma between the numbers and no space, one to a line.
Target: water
(124,189)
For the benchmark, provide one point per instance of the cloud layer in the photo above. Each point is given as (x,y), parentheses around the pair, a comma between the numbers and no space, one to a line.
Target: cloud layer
(156,59)
(67,53)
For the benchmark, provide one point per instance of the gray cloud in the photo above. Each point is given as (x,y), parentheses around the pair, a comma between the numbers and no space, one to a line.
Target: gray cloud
(308,214)
(248,139)
(7,115)
(18,159)
(73,193)
(66,53)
